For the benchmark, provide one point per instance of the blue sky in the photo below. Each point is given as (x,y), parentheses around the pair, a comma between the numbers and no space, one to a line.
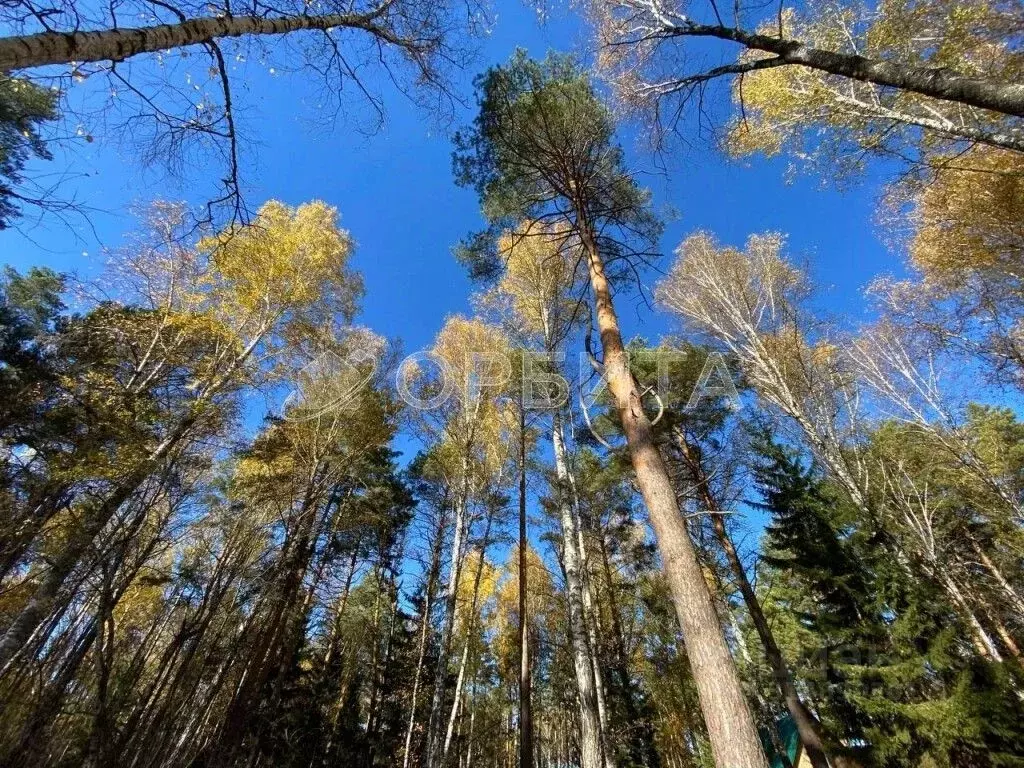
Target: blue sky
(396,196)
(395,192)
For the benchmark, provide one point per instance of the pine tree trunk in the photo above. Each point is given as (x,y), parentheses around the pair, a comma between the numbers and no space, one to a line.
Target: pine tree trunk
(807,725)
(734,739)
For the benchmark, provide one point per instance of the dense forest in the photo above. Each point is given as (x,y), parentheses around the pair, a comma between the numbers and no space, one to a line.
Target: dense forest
(774,535)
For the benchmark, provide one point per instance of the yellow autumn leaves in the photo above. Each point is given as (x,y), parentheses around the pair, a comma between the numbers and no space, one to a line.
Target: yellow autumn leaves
(287,258)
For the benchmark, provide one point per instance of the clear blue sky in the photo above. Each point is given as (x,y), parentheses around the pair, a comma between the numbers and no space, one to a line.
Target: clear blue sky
(396,196)
(395,193)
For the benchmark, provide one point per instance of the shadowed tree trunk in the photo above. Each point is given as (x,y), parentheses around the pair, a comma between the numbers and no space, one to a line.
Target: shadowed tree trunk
(430,584)
(21,52)
(807,725)
(525,670)
(460,524)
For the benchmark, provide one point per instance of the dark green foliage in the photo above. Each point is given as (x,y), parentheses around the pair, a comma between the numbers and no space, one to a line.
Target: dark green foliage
(542,148)
(30,307)
(803,536)
(881,654)
(24,106)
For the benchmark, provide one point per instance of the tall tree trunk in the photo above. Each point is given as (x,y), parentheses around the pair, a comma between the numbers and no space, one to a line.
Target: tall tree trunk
(734,739)
(641,740)
(461,511)
(381,676)
(592,621)
(525,666)
(22,51)
(460,678)
(586,684)
(1008,591)
(430,584)
(39,606)
(982,641)
(807,725)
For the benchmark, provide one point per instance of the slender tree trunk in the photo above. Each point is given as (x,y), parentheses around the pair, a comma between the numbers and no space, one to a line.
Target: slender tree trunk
(642,743)
(39,606)
(525,666)
(983,643)
(460,679)
(30,742)
(430,585)
(936,82)
(994,571)
(22,51)
(448,619)
(734,739)
(759,700)
(586,684)
(807,725)
(1003,633)
(592,622)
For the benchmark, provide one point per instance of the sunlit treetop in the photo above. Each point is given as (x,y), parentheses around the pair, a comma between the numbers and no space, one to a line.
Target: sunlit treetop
(542,150)
(541,278)
(813,115)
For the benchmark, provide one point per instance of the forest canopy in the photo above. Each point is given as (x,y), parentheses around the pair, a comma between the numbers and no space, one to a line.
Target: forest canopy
(646,492)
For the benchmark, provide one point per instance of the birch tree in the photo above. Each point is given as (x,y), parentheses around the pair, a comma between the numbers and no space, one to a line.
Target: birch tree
(540,283)
(472,371)
(246,290)
(832,63)
(131,49)
(750,302)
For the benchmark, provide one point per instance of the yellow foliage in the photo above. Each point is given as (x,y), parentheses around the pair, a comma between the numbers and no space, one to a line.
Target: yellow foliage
(539,605)
(486,591)
(540,274)
(786,106)
(971,218)
(477,356)
(286,258)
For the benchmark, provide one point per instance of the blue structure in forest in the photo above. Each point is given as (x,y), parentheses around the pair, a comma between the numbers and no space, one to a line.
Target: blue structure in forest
(790,740)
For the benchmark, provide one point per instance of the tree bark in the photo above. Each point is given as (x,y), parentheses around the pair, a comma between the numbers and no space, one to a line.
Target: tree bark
(993,570)
(460,679)
(586,683)
(39,606)
(461,504)
(734,739)
(525,666)
(807,725)
(24,51)
(935,82)
(430,584)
